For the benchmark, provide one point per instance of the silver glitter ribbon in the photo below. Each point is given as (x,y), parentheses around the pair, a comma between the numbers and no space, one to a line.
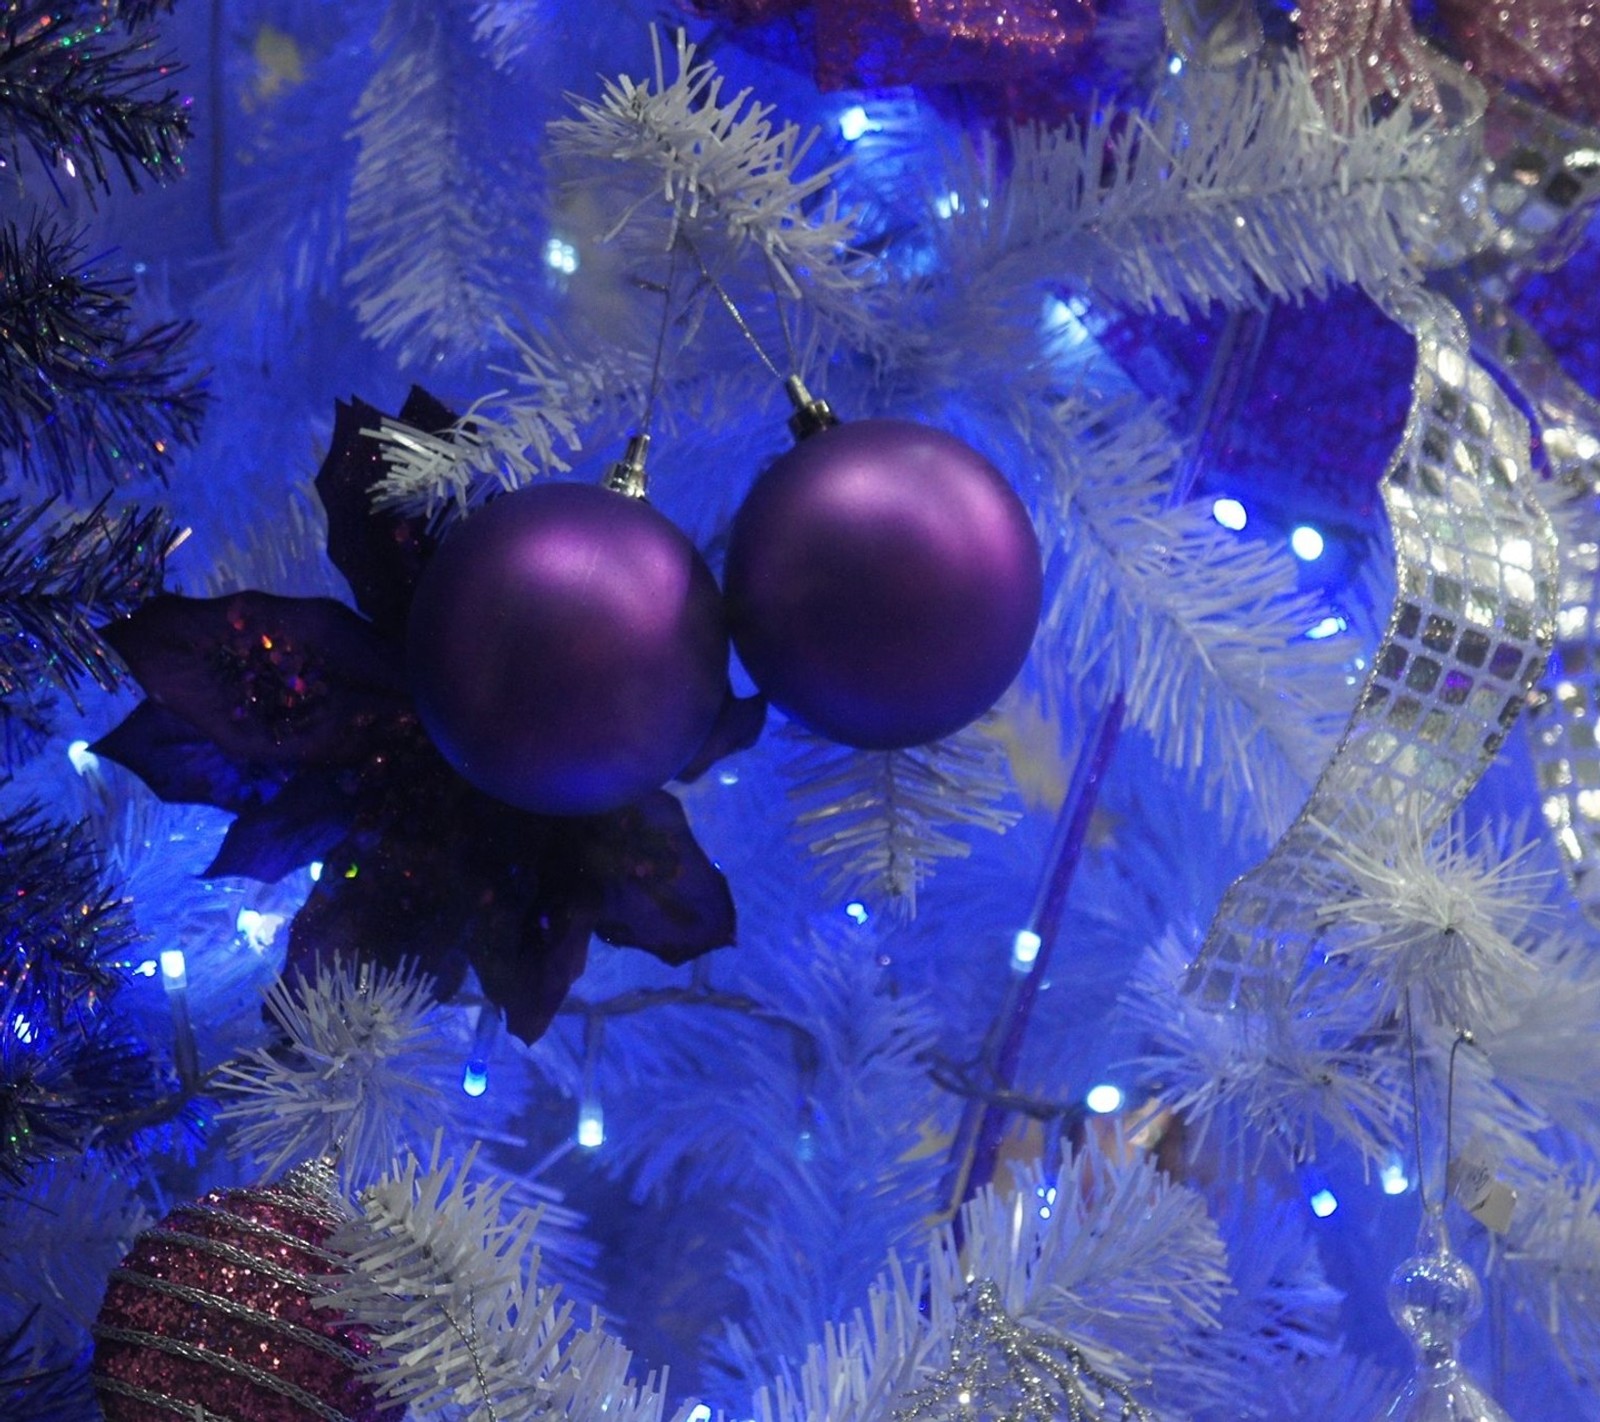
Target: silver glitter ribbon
(1004,1371)
(1473,621)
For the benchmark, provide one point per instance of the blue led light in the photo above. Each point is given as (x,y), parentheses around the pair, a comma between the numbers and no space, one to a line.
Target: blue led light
(1230,513)
(1103,1099)
(475,1079)
(1025,949)
(1330,626)
(1306,543)
(1324,1203)
(591,1125)
(853,123)
(1394,1179)
(856,912)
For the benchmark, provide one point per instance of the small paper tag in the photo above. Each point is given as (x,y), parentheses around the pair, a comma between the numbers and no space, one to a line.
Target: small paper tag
(1472,1181)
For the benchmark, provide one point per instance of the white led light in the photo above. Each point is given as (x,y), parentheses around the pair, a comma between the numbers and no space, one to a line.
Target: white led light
(475,1081)
(853,122)
(591,1125)
(1175,64)
(856,912)
(1330,626)
(23,1028)
(1393,1176)
(1230,513)
(948,205)
(561,256)
(315,870)
(84,760)
(1103,1099)
(1025,949)
(1306,543)
(173,968)
(1324,1203)
(146,969)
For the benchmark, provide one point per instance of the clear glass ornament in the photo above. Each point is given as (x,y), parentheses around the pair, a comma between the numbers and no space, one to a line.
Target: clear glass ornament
(1435,1298)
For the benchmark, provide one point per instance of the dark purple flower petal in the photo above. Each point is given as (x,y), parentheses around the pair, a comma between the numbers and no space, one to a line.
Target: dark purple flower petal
(386,900)
(302,822)
(658,890)
(270,680)
(529,980)
(380,554)
(738,727)
(181,765)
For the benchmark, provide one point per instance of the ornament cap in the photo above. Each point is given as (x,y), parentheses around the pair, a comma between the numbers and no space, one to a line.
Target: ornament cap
(627,476)
(811,415)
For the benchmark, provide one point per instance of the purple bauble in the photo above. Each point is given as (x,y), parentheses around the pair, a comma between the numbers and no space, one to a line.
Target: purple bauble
(567,649)
(883,583)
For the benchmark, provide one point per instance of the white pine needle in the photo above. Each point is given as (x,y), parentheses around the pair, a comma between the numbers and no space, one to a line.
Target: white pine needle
(508,437)
(1204,631)
(1269,1076)
(361,1074)
(1436,914)
(878,822)
(677,158)
(1226,189)
(447,1285)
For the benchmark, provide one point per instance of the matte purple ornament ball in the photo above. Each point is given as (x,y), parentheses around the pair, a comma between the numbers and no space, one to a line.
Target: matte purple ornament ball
(883,583)
(567,649)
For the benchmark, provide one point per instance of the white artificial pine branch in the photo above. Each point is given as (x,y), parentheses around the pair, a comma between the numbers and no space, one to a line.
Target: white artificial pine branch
(1226,188)
(361,1076)
(428,219)
(1553,1257)
(1203,631)
(1272,1075)
(676,162)
(877,822)
(508,437)
(447,1285)
(62,1230)
(1121,1270)
(1434,915)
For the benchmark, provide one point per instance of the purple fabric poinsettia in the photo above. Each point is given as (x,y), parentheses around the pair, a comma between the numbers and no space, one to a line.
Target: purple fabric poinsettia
(293,714)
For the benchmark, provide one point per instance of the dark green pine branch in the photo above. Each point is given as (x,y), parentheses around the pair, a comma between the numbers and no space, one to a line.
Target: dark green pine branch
(57,1091)
(137,13)
(85,96)
(59,583)
(64,936)
(83,394)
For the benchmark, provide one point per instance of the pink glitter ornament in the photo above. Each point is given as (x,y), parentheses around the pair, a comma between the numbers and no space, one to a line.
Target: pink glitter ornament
(210,1315)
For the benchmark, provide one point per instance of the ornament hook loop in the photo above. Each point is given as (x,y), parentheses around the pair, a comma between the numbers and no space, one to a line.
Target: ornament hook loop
(627,476)
(811,415)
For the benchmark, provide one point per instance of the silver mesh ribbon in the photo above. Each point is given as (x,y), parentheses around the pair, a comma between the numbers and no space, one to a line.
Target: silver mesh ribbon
(1565,711)
(1473,622)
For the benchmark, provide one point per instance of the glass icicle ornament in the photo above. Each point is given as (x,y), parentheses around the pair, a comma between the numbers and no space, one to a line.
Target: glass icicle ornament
(1435,1298)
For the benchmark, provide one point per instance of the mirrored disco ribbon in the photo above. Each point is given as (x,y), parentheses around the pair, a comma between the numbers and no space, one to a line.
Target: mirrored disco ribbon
(1473,621)
(1565,711)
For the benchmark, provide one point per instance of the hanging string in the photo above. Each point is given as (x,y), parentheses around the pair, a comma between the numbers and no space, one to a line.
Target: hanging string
(1464,1038)
(1416,1104)
(647,424)
(727,301)
(777,306)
